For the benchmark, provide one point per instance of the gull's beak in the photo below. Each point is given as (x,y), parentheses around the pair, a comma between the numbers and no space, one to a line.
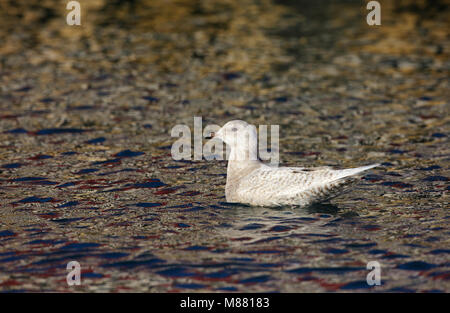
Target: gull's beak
(217,134)
(211,135)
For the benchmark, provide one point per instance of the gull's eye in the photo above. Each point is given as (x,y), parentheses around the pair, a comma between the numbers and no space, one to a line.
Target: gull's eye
(234,129)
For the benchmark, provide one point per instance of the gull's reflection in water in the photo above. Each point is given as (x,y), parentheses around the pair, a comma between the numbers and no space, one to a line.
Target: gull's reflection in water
(248,225)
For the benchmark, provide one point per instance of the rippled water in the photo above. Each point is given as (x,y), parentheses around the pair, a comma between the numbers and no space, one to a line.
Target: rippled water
(86,172)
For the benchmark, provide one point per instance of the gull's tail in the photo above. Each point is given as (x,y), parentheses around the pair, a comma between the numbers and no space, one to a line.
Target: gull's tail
(353,171)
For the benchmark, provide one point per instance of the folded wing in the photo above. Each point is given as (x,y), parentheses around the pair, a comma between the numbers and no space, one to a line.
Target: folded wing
(293,182)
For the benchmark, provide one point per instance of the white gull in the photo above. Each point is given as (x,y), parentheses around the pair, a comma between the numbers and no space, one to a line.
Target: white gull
(250,181)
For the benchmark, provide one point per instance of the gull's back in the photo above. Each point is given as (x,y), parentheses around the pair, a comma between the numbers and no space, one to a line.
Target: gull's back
(272,186)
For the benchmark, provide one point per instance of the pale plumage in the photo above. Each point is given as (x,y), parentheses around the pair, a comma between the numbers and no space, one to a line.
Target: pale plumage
(252,182)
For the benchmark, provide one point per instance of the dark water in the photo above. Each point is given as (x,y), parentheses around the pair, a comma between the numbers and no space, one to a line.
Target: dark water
(86,172)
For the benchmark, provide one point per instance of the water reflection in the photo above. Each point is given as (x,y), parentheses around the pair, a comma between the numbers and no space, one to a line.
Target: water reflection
(250,225)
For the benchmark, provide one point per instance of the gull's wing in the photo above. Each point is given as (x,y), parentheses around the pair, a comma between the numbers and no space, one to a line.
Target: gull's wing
(289,182)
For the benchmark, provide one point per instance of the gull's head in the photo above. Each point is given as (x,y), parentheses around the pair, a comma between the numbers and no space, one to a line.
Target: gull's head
(237,133)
